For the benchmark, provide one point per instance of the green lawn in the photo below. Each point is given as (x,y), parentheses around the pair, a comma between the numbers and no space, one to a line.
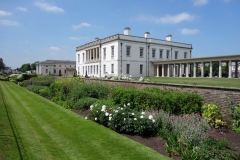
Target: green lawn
(222,82)
(32,127)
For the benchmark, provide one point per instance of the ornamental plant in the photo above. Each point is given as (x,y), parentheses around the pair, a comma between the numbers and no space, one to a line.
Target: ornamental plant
(212,113)
(235,115)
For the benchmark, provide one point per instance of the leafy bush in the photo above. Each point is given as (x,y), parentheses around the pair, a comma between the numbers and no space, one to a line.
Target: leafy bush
(210,148)
(43,80)
(213,114)
(124,120)
(235,115)
(24,83)
(156,99)
(42,91)
(83,103)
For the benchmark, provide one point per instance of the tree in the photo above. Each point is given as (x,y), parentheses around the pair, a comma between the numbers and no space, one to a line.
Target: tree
(33,66)
(2,65)
(25,67)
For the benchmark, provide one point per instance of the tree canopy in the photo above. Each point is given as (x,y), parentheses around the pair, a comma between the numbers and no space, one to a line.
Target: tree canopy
(2,65)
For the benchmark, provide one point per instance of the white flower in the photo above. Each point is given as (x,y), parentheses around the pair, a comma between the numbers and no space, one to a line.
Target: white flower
(135,119)
(116,111)
(123,113)
(141,116)
(97,111)
(124,105)
(95,104)
(85,117)
(91,107)
(128,104)
(150,117)
(153,120)
(106,114)
(143,112)
(133,114)
(110,118)
(121,108)
(103,108)
(110,115)
(95,118)
(124,119)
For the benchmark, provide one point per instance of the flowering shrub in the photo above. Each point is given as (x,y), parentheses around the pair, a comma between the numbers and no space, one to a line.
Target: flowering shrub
(212,113)
(123,119)
(142,79)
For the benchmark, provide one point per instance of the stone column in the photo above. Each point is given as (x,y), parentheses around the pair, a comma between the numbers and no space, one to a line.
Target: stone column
(180,70)
(162,70)
(174,70)
(230,69)
(168,71)
(220,69)
(187,70)
(236,69)
(202,70)
(210,74)
(158,70)
(194,70)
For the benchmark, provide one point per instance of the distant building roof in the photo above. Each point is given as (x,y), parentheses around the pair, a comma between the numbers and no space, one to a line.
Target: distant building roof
(58,61)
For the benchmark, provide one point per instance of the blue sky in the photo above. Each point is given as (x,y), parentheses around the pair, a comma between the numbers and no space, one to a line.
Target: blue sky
(52,29)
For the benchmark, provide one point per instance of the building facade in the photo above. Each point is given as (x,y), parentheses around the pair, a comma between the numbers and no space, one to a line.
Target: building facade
(55,67)
(123,54)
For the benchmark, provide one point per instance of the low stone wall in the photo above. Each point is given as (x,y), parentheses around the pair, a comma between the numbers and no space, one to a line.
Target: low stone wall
(220,95)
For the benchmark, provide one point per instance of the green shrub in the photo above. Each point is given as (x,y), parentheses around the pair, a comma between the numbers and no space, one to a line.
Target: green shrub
(235,115)
(84,103)
(24,83)
(156,99)
(42,91)
(210,149)
(43,80)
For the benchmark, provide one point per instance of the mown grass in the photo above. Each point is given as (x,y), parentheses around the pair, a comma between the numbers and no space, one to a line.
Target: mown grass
(221,82)
(43,130)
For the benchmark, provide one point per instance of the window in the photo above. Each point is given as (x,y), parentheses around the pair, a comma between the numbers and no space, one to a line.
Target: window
(46,66)
(128,68)
(70,65)
(85,70)
(104,68)
(160,53)
(153,53)
(112,68)
(54,71)
(79,70)
(104,53)
(176,54)
(78,58)
(54,65)
(167,54)
(176,70)
(141,69)
(128,50)
(46,71)
(185,54)
(141,52)
(112,51)
(59,65)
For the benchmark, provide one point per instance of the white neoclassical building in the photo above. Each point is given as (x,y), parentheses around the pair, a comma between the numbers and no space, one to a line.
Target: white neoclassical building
(53,67)
(124,54)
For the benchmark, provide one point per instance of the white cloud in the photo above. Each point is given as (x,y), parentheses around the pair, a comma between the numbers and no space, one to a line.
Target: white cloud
(47,7)
(186,31)
(22,9)
(54,48)
(199,2)
(4,13)
(83,24)
(9,23)
(168,18)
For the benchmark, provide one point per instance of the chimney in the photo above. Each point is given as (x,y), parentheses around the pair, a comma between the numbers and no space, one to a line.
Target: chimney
(147,35)
(96,39)
(169,37)
(127,31)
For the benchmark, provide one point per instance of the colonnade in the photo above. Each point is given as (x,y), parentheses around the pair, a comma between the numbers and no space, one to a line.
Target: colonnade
(185,69)
(92,55)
